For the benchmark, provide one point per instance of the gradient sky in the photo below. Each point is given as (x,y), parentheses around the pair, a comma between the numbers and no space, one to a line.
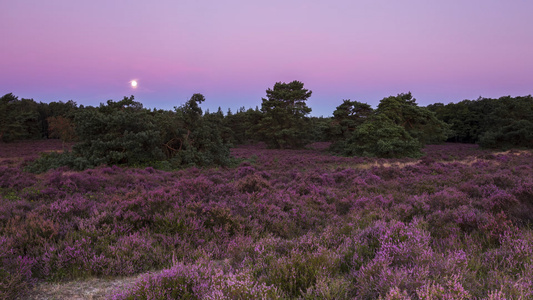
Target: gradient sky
(232,51)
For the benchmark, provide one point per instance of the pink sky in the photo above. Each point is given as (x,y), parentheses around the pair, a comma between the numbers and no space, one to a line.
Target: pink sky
(232,51)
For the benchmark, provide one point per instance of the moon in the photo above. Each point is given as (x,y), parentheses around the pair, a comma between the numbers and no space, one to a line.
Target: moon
(134,83)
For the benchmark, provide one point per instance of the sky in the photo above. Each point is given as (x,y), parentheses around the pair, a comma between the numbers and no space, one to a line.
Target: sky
(232,51)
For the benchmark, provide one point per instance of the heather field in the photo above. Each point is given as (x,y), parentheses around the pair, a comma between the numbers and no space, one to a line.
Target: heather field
(283,224)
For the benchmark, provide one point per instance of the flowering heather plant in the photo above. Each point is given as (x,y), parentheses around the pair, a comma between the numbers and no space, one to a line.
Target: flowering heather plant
(14,178)
(452,289)
(284,224)
(16,278)
(179,282)
(198,282)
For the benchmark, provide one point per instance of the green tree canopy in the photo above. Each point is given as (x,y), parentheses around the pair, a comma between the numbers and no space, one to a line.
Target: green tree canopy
(506,122)
(19,119)
(397,128)
(419,122)
(283,124)
(117,133)
(347,117)
(381,137)
(125,133)
(511,123)
(189,138)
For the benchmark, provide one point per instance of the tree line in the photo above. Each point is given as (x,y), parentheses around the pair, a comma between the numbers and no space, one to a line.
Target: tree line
(504,123)
(124,132)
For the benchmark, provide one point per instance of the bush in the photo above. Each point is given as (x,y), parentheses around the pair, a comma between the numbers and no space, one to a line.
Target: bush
(123,133)
(397,128)
(381,138)
(15,277)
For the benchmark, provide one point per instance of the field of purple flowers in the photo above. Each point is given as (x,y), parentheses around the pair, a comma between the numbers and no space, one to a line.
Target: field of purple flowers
(284,224)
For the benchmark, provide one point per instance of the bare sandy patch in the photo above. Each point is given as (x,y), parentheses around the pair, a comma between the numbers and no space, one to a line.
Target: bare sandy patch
(367,166)
(90,289)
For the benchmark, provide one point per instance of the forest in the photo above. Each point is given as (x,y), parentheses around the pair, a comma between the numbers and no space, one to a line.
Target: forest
(394,202)
(124,133)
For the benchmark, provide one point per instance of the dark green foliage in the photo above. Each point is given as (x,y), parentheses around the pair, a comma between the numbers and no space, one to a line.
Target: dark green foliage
(19,119)
(380,137)
(511,124)
(54,160)
(517,134)
(188,138)
(319,129)
(62,109)
(124,133)
(493,123)
(117,133)
(26,119)
(242,124)
(219,122)
(397,128)
(284,123)
(419,122)
(347,117)
(464,120)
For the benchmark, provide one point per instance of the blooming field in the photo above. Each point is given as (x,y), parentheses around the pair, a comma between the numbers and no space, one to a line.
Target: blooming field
(284,224)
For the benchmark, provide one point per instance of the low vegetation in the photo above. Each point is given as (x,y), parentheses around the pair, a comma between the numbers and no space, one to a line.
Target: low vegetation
(284,224)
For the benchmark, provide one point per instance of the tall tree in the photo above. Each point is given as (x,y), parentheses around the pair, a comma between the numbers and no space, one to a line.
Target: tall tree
(505,123)
(190,138)
(381,137)
(397,128)
(511,123)
(419,122)
(19,119)
(283,124)
(347,117)
(117,133)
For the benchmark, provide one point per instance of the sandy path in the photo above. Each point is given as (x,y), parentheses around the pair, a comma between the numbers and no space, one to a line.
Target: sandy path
(93,289)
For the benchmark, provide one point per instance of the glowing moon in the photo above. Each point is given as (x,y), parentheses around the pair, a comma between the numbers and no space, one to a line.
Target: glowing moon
(134,83)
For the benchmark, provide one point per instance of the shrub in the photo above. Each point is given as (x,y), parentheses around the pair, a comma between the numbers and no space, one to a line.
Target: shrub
(252,183)
(123,133)
(15,276)
(381,138)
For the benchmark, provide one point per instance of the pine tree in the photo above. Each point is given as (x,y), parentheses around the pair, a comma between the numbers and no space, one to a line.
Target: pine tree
(283,124)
